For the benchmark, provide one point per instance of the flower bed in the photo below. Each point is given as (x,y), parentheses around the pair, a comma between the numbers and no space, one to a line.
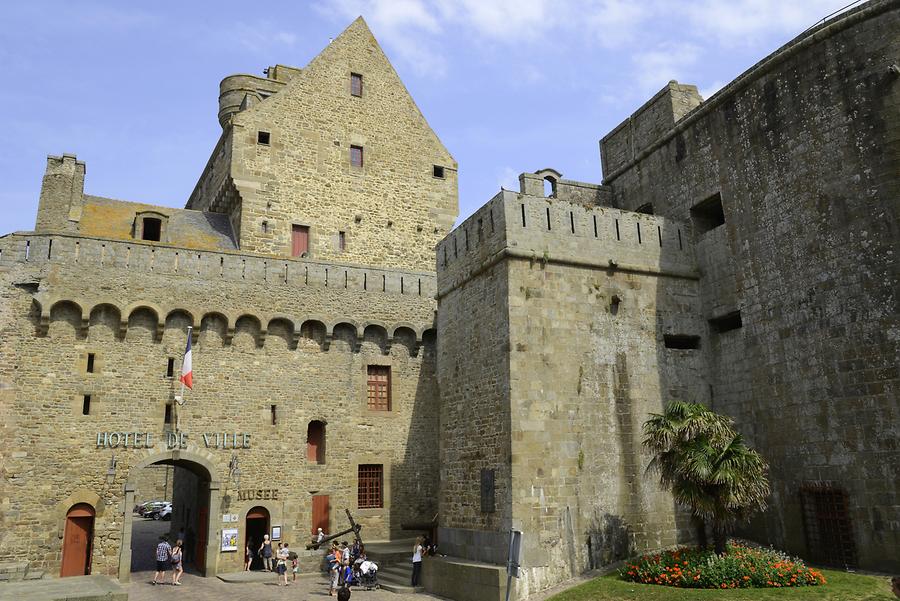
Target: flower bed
(741,567)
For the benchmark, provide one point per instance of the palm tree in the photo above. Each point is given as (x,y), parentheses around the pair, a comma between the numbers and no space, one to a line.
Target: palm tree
(707,466)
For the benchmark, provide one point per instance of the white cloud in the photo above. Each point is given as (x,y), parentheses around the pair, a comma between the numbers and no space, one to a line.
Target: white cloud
(614,22)
(508,178)
(263,37)
(654,68)
(746,22)
(707,91)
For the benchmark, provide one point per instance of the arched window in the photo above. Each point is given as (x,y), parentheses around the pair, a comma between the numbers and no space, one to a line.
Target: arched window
(315,442)
(550,187)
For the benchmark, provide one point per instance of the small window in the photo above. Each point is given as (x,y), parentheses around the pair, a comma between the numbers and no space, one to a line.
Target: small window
(263,137)
(379,388)
(437,171)
(90,363)
(355,84)
(708,215)
(342,241)
(726,323)
(170,367)
(681,341)
(370,491)
(152,229)
(356,156)
(273,409)
(315,442)
(86,405)
(299,240)
(167,418)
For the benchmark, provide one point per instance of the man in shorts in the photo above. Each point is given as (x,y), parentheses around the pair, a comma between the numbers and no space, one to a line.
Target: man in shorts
(163,555)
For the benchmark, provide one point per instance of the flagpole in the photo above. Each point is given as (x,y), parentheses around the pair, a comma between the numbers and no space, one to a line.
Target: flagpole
(179,399)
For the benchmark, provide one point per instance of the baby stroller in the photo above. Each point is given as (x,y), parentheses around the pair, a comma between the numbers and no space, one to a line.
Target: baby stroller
(365,575)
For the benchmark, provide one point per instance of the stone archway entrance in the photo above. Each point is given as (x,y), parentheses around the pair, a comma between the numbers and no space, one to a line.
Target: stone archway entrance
(195,503)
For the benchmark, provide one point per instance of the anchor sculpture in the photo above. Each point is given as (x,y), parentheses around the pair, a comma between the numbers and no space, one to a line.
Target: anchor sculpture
(354,528)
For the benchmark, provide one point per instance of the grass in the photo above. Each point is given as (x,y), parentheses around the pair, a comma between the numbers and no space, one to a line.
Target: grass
(841,587)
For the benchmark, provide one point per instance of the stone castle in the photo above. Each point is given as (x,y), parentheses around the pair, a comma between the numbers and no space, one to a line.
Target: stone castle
(352,350)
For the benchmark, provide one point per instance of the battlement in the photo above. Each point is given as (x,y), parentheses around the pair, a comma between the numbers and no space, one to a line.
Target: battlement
(549,230)
(138,257)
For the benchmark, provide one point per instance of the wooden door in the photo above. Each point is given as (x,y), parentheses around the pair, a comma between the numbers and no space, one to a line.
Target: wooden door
(299,240)
(320,510)
(202,538)
(76,557)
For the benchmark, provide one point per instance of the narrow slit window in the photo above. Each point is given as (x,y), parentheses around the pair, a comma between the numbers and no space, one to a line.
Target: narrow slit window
(356,84)
(86,405)
(726,323)
(90,363)
(549,225)
(639,233)
(659,235)
(523,214)
(273,410)
(680,247)
(595,226)
(167,417)
(342,241)
(572,221)
(170,367)
(618,236)
(682,341)
(263,137)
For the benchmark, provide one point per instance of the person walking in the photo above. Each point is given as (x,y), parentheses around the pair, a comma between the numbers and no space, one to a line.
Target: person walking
(163,553)
(248,554)
(265,551)
(417,561)
(334,566)
(176,559)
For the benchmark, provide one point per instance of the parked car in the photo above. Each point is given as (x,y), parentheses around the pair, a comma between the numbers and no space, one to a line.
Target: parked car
(141,508)
(162,513)
(152,508)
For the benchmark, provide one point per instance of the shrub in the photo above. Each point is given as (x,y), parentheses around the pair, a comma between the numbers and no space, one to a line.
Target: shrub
(741,567)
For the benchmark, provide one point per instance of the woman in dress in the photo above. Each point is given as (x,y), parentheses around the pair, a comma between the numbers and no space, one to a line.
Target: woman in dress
(265,551)
(248,554)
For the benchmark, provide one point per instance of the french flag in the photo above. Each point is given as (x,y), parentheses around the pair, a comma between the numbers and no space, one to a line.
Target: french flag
(187,376)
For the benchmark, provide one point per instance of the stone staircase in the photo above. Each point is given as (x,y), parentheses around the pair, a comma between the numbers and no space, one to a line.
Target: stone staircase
(17,571)
(394,561)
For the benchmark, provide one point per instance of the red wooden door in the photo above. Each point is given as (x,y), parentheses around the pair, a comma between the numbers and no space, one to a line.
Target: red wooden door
(299,240)
(76,557)
(202,537)
(320,510)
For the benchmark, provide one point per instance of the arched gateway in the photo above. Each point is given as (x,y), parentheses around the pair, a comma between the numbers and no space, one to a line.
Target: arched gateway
(204,547)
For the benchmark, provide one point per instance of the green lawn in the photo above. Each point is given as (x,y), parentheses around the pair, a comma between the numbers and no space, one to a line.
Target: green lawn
(841,587)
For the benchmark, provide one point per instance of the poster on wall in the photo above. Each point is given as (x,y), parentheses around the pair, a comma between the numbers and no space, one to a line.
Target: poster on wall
(276,532)
(229,539)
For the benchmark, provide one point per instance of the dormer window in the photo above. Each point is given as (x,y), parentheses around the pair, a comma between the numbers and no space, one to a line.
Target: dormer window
(150,226)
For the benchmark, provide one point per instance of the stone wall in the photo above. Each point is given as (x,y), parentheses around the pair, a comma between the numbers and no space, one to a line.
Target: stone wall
(299,343)
(554,314)
(153,483)
(392,209)
(803,151)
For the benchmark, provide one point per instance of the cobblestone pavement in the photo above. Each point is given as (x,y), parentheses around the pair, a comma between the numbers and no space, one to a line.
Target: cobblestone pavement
(197,588)
(145,535)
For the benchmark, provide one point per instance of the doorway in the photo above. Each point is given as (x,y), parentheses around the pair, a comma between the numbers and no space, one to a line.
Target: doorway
(257,527)
(184,514)
(78,541)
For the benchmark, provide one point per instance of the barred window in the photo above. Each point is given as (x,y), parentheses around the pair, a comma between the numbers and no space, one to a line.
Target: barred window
(371,479)
(379,388)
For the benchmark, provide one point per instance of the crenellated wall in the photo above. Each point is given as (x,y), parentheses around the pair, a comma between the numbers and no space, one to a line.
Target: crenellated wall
(552,317)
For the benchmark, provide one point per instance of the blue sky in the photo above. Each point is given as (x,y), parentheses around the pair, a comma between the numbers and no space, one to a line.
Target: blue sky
(508,85)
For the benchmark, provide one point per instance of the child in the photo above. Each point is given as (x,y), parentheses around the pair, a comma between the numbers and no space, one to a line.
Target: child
(295,565)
